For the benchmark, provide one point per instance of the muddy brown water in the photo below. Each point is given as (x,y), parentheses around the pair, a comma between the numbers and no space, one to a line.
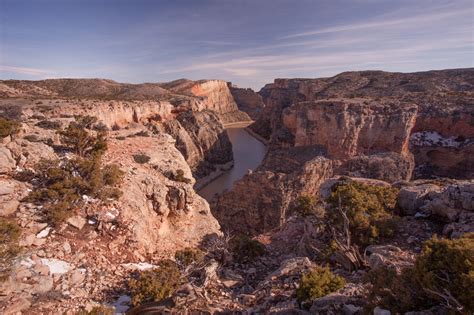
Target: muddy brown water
(248,153)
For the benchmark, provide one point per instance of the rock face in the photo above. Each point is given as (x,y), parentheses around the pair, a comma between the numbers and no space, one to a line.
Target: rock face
(162,214)
(365,124)
(349,128)
(248,101)
(210,94)
(158,213)
(262,200)
(202,140)
(192,111)
(444,117)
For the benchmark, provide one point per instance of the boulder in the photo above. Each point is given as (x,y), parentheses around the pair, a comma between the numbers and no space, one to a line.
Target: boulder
(77,221)
(7,163)
(412,198)
(9,207)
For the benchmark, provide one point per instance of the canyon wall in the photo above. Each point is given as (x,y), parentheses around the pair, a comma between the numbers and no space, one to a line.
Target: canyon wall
(374,124)
(202,140)
(444,100)
(248,101)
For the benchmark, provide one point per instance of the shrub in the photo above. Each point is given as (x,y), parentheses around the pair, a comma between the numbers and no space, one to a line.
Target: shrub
(60,184)
(141,158)
(188,256)
(306,205)
(319,282)
(246,249)
(369,209)
(24,176)
(112,175)
(98,310)
(9,249)
(178,177)
(156,284)
(77,139)
(100,127)
(32,138)
(49,124)
(8,127)
(142,133)
(85,121)
(444,268)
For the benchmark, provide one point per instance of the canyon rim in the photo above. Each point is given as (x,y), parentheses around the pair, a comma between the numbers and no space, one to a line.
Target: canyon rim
(340,182)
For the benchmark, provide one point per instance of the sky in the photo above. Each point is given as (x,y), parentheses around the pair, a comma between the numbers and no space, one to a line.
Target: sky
(247,42)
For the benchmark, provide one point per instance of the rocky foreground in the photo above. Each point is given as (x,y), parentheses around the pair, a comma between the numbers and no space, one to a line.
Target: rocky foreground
(99,214)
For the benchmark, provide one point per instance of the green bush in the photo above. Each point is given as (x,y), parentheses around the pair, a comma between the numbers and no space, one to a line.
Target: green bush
(306,205)
(8,127)
(59,185)
(141,158)
(78,140)
(369,209)
(156,284)
(9,249)
(445,267)
(49,124)
(319,282)
(188,256)
(246,249)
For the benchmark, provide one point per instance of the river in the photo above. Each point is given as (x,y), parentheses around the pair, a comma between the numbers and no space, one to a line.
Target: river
(248,153)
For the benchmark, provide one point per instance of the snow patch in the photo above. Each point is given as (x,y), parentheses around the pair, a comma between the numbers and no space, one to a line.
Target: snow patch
(432,138)
(122,304)
(56,266)
(139,266)
(44,232)
(28,262)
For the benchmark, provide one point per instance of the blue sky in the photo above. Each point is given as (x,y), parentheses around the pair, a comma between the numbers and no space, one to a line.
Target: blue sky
(247,42)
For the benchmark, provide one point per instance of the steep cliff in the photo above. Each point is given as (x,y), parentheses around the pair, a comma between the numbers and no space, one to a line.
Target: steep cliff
(212,95)
(365,124)
(248,101)
(444,99)
(202,140)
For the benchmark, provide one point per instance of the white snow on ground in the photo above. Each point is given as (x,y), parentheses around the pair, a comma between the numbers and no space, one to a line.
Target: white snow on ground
(139,266)
(28,262)
(122,304)
(56,266)
(44,232)
(432,138)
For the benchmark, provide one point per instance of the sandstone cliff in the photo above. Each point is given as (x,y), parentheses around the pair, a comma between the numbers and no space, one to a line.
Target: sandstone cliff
(201,139)
(212,95)
(444,99)
(367,124)
(248,101)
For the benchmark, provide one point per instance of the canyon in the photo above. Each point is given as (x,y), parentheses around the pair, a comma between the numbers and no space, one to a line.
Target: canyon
(253,156)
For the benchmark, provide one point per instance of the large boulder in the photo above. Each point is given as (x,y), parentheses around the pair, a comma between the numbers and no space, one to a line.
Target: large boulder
(7,163)
(411,198)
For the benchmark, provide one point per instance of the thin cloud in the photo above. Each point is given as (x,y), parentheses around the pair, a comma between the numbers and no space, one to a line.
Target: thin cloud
(405,22)
(27,71)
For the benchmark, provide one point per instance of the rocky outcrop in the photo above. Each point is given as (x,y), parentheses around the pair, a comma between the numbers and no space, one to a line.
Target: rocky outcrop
(162,214)
(212,95)
(263,199)
(444,100)
(202,140)
(345,129)
(451,202)
(248,101)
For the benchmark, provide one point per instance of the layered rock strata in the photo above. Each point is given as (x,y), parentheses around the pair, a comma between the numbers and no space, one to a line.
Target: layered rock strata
(387,126)
(248,101)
